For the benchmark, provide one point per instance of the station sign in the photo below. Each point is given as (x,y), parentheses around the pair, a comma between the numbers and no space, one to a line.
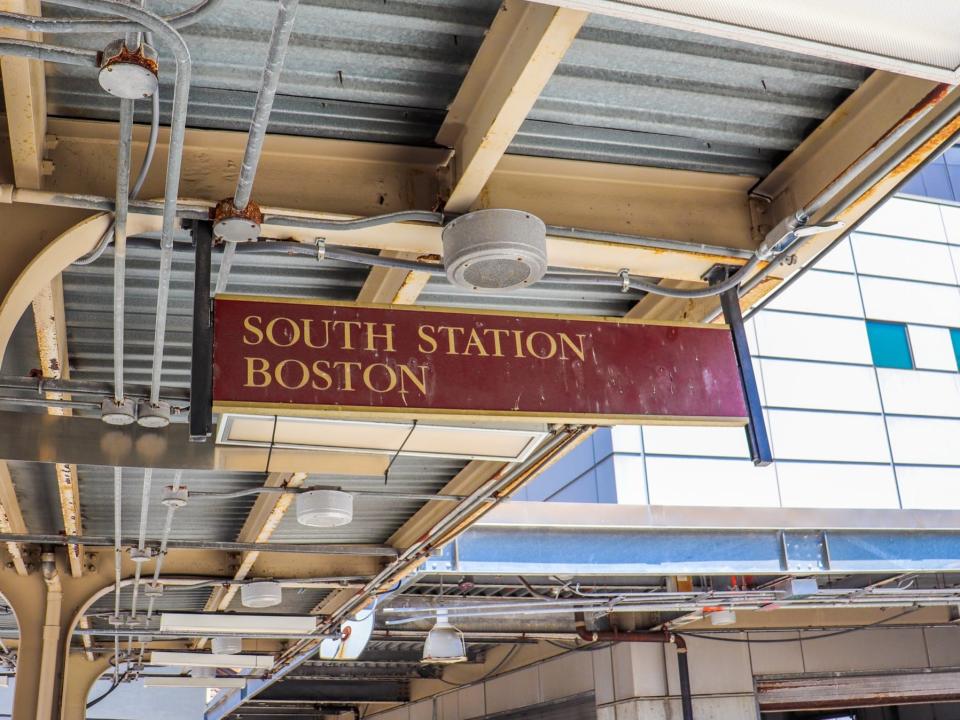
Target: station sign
(302,357)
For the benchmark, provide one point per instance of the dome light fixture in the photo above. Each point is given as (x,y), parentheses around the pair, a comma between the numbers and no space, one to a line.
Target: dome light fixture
(495,250)
(262,594)
(226,645)
(444,644)
(324,508)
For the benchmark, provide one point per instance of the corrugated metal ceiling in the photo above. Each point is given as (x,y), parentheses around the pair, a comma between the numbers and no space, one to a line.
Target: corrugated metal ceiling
(385,70)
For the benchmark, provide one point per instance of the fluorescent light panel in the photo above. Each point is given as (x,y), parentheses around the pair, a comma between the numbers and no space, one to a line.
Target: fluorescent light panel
(461,441)
(194,682)
(889,34)
(187,659)
(238,624)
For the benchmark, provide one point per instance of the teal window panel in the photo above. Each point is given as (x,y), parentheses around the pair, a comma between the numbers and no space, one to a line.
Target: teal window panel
(889,345)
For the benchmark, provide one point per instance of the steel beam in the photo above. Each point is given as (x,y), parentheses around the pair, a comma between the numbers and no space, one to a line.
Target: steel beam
(33,437)
(11,518)
(518,56)
(337,691)
(635,540)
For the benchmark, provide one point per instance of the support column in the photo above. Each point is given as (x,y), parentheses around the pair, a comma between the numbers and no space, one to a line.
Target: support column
(80,676)
(641,680)
(26,596)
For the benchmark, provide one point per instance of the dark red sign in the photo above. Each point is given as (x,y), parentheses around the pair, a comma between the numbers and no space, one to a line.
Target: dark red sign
(305,357)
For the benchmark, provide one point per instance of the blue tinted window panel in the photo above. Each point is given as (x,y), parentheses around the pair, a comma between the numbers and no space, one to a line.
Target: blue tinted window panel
(889,345)
(938,183)
(915,186)
(951,156)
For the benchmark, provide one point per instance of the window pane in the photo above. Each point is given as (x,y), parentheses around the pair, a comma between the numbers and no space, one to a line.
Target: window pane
(888,345)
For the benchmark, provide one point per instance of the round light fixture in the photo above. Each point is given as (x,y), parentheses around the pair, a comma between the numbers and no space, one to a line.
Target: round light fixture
(226,645)
(262,594)
(153,416)
(324,508)
(118,412)
(495,250)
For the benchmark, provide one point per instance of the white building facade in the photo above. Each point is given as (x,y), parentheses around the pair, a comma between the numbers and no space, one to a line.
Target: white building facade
(857,363)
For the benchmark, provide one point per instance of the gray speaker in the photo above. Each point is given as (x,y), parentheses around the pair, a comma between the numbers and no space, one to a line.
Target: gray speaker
(495,250)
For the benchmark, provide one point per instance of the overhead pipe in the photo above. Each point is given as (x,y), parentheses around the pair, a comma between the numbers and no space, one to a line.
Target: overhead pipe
(47,53)
(37,24)
(664,638)
(166,33)
(104,241)
(230,547)
(270,81)
(120,243)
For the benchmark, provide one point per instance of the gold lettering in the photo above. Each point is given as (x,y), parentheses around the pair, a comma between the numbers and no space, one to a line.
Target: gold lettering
(474,341)
(518,341)
(347,333)
(497,332)
(323,375)
(294,336)
(308,334)
(421,332)
(278,373)
(347,373)
(533,351)
(451,335)
(386,335)
(257,367)
(257,332)
(576,349)
(368,377)
(421,382)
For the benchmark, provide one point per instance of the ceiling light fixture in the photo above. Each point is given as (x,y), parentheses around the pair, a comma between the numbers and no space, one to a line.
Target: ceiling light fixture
(194,682)
(261,594)
(199,659)
(444,644)
(324,508)
(495,250)
(249,625)
(461,441)
(226,645)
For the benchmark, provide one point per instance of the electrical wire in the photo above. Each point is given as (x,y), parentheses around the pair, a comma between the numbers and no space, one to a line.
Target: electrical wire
(506,658)
(821,636)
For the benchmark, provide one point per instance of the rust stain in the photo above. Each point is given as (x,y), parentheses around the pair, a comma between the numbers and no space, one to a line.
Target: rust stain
(909,164)
(928,101)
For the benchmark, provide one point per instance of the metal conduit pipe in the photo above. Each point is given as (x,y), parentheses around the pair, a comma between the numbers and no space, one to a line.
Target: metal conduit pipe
(664,638)
(276,54)
(269,82)
(120,243)
(81,387)
(178,121)
(104,241)
(33,23)
(47,53)
(231,547)
(296,491)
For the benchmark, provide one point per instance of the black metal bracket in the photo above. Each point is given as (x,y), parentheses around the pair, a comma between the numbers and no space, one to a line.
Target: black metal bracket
(757,437)
(201,362)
